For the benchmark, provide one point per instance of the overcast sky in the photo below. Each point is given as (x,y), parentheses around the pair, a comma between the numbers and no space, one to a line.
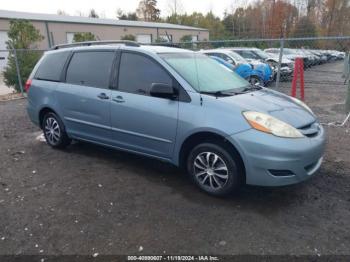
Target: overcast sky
(108,7)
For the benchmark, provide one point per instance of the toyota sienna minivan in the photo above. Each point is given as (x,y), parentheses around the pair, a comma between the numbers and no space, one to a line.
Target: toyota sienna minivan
(178,106)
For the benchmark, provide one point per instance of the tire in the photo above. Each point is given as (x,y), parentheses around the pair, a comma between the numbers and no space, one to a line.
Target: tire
(215,181)
(255,80)
(54,131)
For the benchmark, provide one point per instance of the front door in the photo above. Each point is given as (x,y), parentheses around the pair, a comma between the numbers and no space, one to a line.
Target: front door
(140,122)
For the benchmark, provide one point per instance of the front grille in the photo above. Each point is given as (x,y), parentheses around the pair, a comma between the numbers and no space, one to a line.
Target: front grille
(275,172)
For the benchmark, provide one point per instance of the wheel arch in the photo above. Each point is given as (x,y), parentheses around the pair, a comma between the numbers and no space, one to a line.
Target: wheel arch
(43,111)
(207,136)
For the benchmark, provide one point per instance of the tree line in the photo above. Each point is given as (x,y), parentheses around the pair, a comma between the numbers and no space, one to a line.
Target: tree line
(260,19)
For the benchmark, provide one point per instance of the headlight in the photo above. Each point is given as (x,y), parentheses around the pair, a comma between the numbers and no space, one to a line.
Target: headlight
(302,104)
(268,124)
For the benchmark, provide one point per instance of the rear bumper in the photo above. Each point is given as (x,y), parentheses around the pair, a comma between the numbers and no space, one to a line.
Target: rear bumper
(33,114)
(275,161)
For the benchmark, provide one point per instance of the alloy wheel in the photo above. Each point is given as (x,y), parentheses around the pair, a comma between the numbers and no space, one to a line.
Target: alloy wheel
(255,81)
(52,131)
(210,170)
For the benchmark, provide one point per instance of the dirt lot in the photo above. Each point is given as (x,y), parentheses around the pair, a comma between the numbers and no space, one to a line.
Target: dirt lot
(88,199)
(4,90)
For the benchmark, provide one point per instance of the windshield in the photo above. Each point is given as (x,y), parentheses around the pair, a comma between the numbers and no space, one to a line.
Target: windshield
(289,51)
(240,59)
(203,73)
(260,53)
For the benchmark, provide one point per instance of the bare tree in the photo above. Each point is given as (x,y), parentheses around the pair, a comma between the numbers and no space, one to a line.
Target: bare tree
(126,16)
(175,7)
(93,14)
(148,11)
(61,12)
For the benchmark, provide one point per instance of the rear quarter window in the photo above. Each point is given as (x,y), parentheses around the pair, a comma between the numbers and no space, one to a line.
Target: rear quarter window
(51,66)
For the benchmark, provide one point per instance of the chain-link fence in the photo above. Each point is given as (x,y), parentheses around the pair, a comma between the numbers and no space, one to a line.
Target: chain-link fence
(321,58)
(272,62)
(269,62)
(15,68)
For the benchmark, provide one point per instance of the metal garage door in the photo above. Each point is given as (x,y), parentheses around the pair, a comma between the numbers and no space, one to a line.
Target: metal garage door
(70,37)
(144,39)
(3,54)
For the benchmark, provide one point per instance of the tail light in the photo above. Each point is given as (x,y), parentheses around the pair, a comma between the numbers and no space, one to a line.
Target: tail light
(27,85)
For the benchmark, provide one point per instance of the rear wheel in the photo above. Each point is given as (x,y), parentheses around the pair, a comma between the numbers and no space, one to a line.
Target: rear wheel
(54,131)
(214,169)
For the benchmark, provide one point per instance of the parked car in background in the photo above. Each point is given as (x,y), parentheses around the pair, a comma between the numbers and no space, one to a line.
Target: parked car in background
(337,55)
(312,59)
(252,54)
(321,57)
(235,59)
(243,70)
(290,54)
(269,73)
(177,106)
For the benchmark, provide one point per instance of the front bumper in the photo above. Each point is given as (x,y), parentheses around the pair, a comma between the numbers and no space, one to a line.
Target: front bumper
(275,161)
(286,71)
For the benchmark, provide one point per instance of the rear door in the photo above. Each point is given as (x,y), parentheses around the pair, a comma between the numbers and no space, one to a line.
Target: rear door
(139,121)
(85,96)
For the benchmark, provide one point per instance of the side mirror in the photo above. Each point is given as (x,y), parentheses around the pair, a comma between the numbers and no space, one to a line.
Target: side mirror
(163,91)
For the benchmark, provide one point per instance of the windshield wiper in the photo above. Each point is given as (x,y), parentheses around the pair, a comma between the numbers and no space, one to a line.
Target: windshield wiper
(221,93)
(251,88)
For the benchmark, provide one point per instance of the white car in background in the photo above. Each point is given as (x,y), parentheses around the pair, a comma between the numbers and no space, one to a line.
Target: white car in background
(255,55)
(290,54)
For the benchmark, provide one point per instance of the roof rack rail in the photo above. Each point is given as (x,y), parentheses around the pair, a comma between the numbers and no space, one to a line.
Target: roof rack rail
(176,45)
(91,43)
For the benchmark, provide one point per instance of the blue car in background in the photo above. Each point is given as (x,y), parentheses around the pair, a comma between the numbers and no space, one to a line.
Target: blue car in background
(266,69)
(243,70)
(261,73)
(260,66)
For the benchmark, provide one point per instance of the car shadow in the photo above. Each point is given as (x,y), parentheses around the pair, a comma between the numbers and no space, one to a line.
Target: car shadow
(266,199)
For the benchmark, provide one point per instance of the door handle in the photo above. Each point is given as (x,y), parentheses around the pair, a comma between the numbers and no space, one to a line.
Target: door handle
(103,96)
(119,99)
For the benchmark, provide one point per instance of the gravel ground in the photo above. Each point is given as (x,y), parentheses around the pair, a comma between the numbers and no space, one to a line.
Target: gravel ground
(88,199)
(4,90)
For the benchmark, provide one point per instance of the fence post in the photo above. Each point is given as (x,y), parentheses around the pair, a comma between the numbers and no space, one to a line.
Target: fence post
(280,62)
(346,75)
(18,71)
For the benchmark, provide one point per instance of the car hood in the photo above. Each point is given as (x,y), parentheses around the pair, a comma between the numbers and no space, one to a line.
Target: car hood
(255,62)
(273,103)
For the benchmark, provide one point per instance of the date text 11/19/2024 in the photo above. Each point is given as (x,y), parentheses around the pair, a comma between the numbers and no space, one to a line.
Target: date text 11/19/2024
(173,258)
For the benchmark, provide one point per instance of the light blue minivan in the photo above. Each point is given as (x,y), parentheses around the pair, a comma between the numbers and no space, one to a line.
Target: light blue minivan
(178,106)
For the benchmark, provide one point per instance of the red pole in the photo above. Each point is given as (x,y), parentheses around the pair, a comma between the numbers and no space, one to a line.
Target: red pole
(302,91)
(295,77)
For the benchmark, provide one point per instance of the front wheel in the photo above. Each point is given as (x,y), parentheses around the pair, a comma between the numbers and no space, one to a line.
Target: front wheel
(214,169)
(254,80)
(54,131)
